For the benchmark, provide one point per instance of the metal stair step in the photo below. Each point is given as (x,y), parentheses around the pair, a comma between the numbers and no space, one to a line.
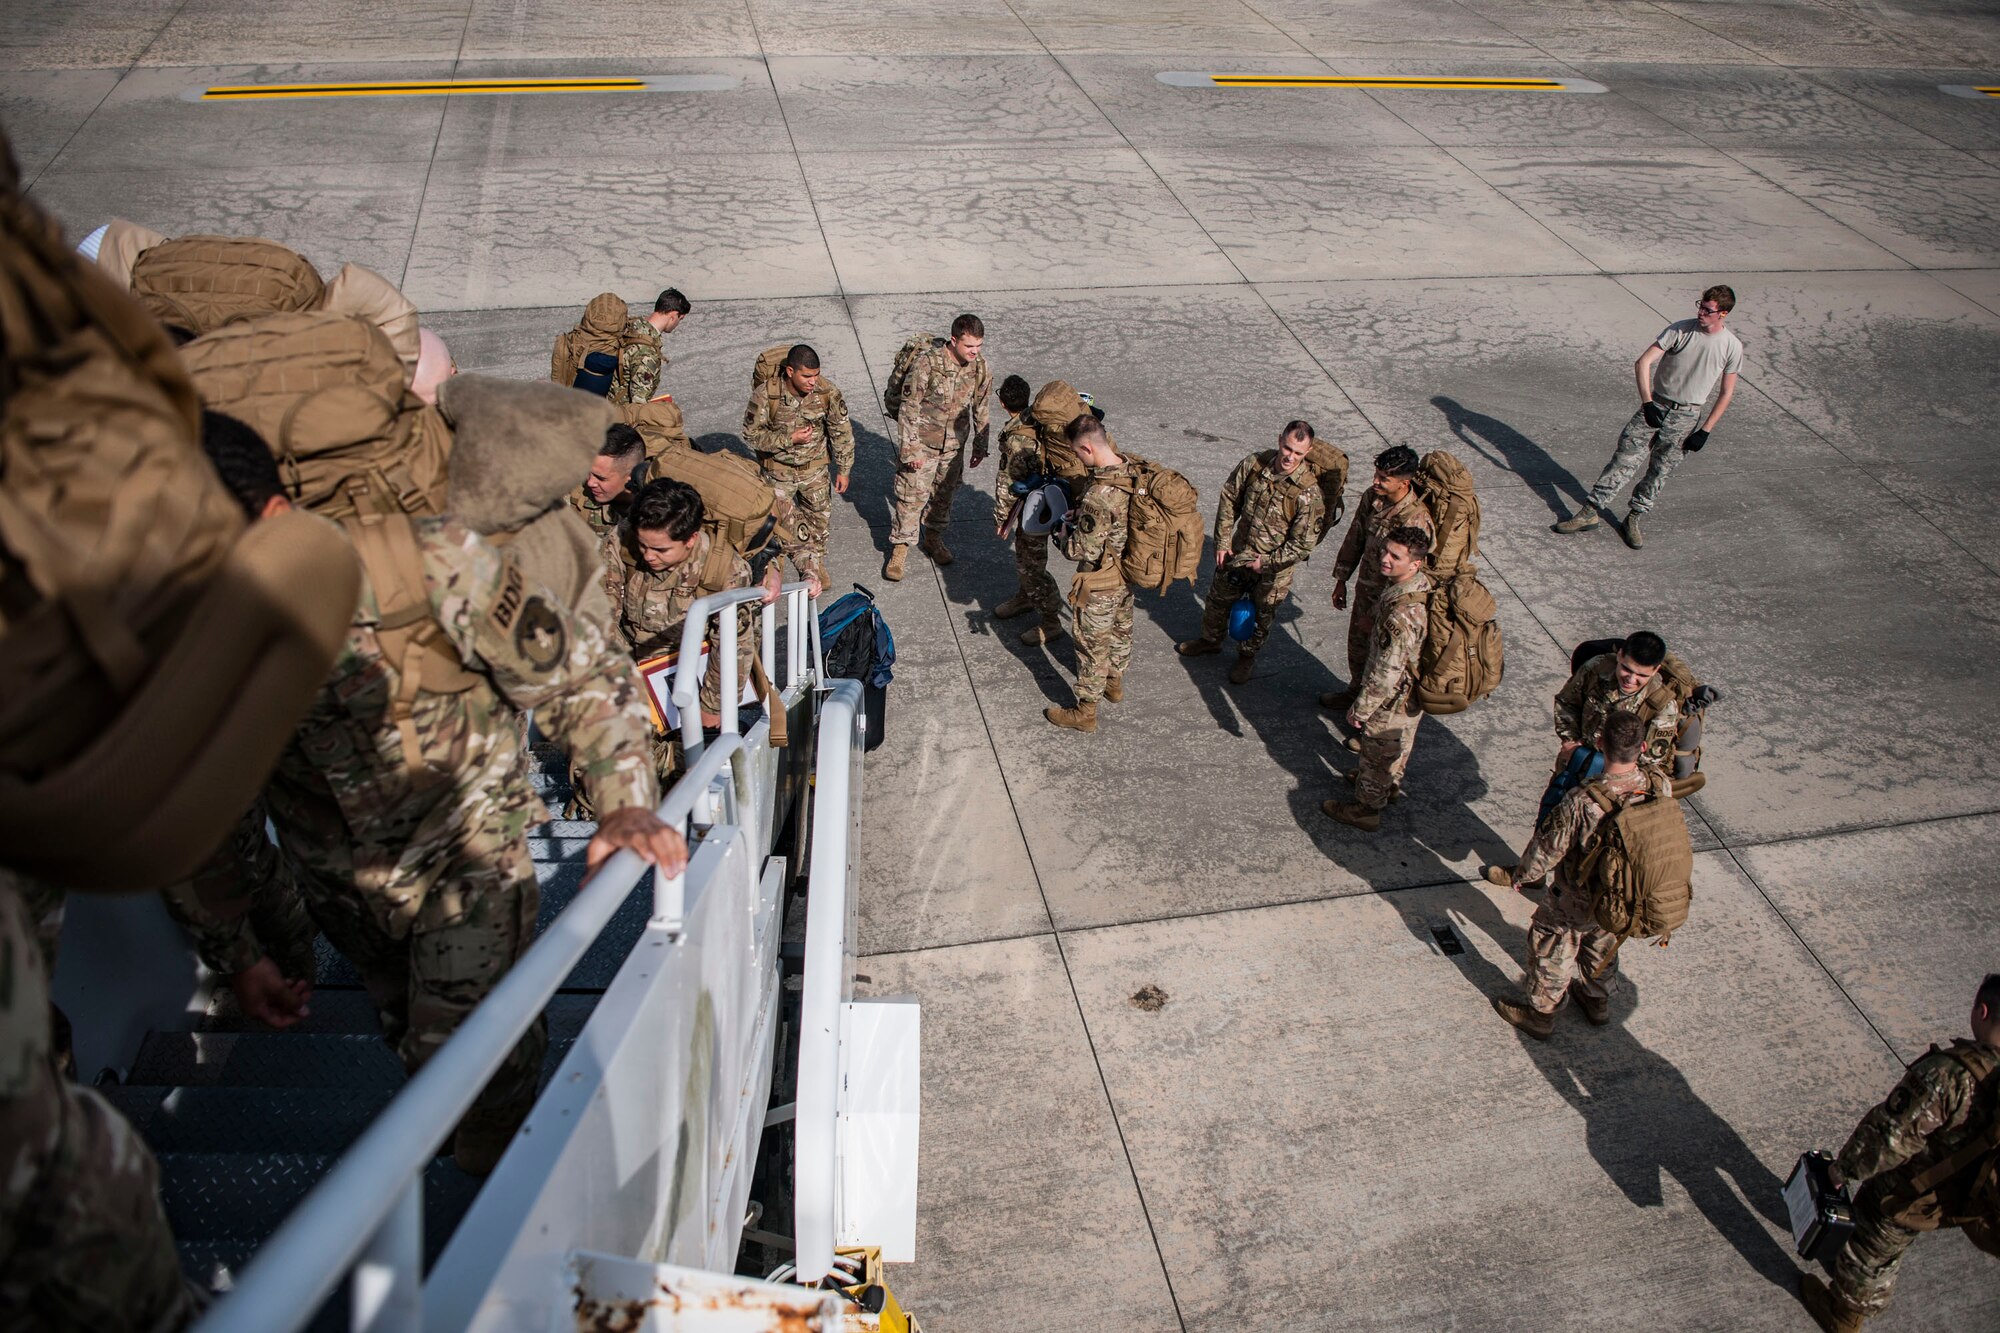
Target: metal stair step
(249,1120)
(212,1197)
(333,1009)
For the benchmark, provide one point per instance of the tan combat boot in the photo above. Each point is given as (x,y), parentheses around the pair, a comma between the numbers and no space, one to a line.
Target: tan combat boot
(1198,647)
(1114,688)
(1596,1010)
(1046,632)
(1083,717)
(893,571)
(932,545)
(1629,529)
(1240,673)
(1500,877)
(1017,605)
(1337,699)
(1353,814)
(1525,1017)
(1827,1310)
(1582,520)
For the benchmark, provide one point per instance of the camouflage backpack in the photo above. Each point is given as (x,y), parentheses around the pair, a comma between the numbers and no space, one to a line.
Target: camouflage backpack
(200,283)
(1675,680)
(1056,404)
(1969,1173)
(1164,527)
(1446,489)
(154,654)
(1329,465)
(913,347)
(1463,657)
(598,337)
(1640,867)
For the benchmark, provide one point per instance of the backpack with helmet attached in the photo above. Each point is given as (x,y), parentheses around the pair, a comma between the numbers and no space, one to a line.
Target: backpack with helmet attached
(1675,680)
(1163,527)
(913,347)
(155,654)
(1329,465)
(1640,867)
(201,283)
(659,423)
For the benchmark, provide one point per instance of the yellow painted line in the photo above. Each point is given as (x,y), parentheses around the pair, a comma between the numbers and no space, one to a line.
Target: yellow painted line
(1970,89)
(1411,82)
(638,83)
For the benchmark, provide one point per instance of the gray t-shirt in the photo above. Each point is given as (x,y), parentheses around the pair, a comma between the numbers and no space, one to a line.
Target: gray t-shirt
(1694,361)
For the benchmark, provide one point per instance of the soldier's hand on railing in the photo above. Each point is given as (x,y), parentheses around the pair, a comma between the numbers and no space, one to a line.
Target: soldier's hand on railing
(773,583)
(638,830)
(269,996)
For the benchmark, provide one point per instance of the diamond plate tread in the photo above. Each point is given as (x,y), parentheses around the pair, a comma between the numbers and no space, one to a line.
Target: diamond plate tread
(265,1060)
(211,1197)
(333,1009)
(249,1120)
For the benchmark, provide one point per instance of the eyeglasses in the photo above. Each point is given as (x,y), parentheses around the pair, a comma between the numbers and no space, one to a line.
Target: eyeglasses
(1704,309)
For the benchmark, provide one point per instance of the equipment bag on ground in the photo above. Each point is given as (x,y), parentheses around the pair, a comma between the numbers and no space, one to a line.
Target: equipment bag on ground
(858,646)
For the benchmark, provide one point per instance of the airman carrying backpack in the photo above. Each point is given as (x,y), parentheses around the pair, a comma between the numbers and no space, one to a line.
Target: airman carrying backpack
(1962,1187)
(1639,872)
(1675,679)
(200,283)
(913,347)
(1163,528)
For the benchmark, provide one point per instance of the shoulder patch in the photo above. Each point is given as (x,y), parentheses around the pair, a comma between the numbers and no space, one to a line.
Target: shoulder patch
(540,637)
(513,592)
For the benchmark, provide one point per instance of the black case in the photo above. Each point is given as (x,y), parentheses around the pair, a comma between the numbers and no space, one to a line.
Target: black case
(1822,1216)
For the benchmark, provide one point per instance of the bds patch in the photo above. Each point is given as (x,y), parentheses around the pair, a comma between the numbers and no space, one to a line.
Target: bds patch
(540,637)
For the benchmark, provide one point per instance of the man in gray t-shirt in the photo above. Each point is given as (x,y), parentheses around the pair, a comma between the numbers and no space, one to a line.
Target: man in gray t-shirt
(1676,375)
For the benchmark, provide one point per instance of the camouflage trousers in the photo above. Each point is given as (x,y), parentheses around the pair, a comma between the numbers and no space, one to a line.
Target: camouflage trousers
(1266,589)
(1865,1273)
(1659,452)
(1566,944)
(665,747)
(1361,628)
(925,485)
(1386,742)
(1102,624)
(83,1242)
(811,492)
(1031,567)
(425,982)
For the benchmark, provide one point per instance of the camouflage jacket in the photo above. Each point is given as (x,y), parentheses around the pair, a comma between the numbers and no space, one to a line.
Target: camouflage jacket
(345,801)
(944,403)
(1373,519)
(1020,460)
(640,362)
(775,412)
(1095,538)
(1265,512)
(602,517)
(1564,838)
(1402,618)
(1591,695)
(649,608)
(1927,1117)
(242,884)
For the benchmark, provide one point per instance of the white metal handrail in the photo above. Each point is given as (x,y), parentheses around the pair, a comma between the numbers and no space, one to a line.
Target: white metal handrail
(368,1212)
(828,982)
(797,600)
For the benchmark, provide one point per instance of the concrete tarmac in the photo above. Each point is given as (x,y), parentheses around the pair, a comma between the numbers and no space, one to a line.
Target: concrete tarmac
(1324,1126)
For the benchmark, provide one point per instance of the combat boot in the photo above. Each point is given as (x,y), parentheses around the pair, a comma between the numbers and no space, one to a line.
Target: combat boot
(1083,717)
(1354,780)
(1198,647)
(1114,688)
(1630,530)
(1240,673)
(1046,632)
(1353,814)
(1583,520)
(1500,877)
(932,545)
(1596,1010)
(1525,1017)
(1338,699)
(1017,605)
(893,571)
(1827,1310)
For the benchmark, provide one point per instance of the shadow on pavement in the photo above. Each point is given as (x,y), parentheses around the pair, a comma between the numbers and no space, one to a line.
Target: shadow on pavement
(1504,447)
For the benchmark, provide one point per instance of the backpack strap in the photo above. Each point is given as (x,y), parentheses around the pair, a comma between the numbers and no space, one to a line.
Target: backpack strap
(1937,1173)
(407,629)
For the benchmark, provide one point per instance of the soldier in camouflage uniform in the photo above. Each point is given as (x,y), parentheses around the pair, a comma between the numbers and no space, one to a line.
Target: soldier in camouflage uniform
(1022,459)
(794,422)
(1391,502)
(1629,683)
(944,405)
(640,352)
(1384,715)
(658,565)
(243,910)
(84,1246)
(1916,1159)
(1569,953)
(1100,599)
(1266,523)
(603,497)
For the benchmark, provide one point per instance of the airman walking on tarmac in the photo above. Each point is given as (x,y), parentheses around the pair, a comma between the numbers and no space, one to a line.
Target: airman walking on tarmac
(795,422)
(1384,715)
(1099,598)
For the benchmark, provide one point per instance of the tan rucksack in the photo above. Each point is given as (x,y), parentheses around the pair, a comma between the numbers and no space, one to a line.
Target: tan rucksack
(1056,404)
(913,347)
(601,329)
(767,365)
(1640,870)
(327,393)
(201,283)
(1463,657)
(120,247)
(1962,1187)
(1447,492)
(1163,528)
(1329,465)
(366,294)
(734,495)
(154,655)
(659,423)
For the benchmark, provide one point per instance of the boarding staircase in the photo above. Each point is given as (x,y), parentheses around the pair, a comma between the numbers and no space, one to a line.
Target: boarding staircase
(686,1016)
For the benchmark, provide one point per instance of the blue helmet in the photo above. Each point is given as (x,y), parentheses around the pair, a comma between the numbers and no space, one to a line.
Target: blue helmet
(1242,620)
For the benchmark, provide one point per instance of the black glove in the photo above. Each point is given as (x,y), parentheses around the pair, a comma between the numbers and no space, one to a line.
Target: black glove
(1655,417)
(1694,442)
